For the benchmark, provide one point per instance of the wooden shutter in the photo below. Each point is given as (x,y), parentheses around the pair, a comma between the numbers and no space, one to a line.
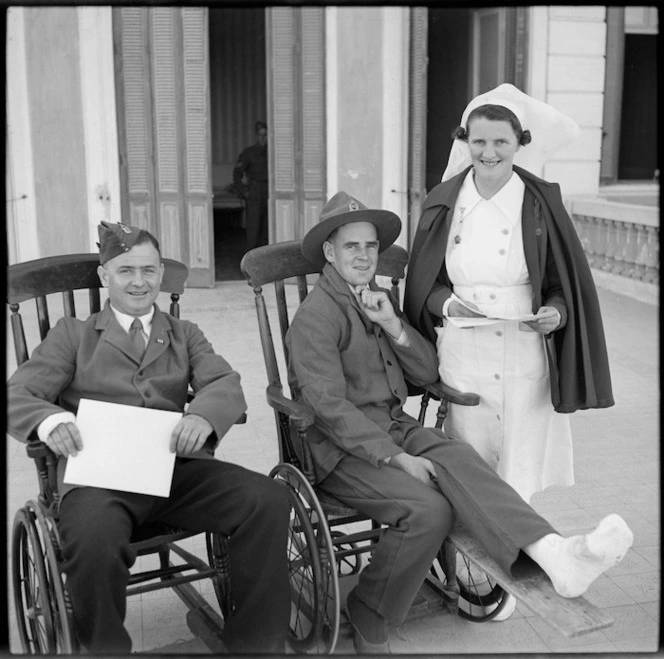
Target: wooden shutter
(313,116)
(134,112)
(296,119)
(164,130)
(197,156)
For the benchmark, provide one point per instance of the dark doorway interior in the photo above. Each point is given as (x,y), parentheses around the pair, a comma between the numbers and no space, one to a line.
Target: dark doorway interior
(237,100)
(448,84)
(229,244)
(638,124)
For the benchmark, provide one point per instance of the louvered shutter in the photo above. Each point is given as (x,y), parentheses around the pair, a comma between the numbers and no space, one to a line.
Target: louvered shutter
(313,116)
(134,111)
(197,155)
(164,130)
(296,118)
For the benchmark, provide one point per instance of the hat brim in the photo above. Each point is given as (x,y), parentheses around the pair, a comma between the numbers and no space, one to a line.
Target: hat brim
(388,228)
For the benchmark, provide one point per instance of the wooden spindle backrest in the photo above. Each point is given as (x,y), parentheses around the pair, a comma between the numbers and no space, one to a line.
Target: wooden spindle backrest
(283,262)
(36,280)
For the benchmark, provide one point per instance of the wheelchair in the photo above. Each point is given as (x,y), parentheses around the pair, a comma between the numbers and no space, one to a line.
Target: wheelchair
(43,606)
(327,538)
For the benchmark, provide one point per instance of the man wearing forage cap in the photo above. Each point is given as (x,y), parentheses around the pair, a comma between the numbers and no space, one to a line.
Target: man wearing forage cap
(349,352)
(151,365)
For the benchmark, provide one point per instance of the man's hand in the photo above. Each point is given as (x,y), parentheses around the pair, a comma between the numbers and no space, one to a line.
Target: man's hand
(190,434)
(548,319)
(65,439)
(418,467)
(377,307)
(458,309)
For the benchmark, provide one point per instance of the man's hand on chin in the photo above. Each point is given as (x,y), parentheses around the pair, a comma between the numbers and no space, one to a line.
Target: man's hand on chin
(378,308)
(190,434)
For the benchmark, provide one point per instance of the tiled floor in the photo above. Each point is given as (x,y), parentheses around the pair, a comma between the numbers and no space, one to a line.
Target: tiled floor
(617,470)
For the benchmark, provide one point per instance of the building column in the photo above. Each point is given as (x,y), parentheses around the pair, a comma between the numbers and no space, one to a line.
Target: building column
(99,118)
(22,242)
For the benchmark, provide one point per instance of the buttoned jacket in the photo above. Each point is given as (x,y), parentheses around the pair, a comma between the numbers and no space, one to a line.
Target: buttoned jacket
(95,359)
(352,374)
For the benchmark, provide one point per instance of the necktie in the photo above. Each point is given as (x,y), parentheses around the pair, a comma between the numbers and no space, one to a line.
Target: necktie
(137,336)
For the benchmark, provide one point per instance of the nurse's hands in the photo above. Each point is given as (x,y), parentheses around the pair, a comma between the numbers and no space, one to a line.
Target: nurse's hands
(548,319)
(467,310)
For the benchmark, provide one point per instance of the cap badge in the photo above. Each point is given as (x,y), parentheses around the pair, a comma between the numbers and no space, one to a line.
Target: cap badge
(124,227)
(353,206)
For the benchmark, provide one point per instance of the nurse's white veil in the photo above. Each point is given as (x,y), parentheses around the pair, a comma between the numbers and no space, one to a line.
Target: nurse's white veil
(550,129)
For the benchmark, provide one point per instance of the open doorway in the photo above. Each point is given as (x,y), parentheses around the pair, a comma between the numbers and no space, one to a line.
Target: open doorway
(448,84)
(237,102)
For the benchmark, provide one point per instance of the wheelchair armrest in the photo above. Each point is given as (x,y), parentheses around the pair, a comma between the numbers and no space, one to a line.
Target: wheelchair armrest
(299,413)
(37,449)
(441,390)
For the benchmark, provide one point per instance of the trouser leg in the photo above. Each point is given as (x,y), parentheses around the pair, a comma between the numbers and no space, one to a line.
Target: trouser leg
(487,506)
(208,495)
(95,530)
(418,519)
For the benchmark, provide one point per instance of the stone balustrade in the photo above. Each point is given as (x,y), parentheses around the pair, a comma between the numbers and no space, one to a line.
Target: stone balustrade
(621,239)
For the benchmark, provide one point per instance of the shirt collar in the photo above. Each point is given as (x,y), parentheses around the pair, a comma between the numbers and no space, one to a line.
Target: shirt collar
(509,199)
(126,320)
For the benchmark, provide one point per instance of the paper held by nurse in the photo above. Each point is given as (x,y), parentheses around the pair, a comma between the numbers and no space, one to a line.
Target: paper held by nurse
(124,448)
(463,321)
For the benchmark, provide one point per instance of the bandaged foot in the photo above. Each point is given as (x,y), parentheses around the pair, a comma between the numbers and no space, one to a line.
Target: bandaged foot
(574,563)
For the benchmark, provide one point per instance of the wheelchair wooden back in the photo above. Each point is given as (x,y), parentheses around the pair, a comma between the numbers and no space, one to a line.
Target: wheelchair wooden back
(36,280)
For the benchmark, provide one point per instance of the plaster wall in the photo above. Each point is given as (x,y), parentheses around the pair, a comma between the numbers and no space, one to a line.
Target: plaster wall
(567,66)
(62,157)
(56,123)
(367,105)
(358,109)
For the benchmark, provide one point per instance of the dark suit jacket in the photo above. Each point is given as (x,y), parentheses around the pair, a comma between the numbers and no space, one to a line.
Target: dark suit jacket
(93,358)
(559,274)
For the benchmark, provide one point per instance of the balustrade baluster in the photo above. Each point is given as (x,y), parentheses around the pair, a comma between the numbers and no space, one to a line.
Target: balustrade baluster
(641,252)
(652,256)
(629,250)
(621,236)
(604,243)
(592,234)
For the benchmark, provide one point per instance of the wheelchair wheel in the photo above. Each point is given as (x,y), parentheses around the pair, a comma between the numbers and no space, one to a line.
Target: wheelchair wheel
(217,551)
(347,565)
(480,597)
(315,612)
(43,609)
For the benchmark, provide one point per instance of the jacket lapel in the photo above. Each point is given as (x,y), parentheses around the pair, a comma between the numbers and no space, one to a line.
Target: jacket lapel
(113,333)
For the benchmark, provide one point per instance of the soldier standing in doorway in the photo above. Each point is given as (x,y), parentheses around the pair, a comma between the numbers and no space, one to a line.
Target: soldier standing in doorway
(252,165)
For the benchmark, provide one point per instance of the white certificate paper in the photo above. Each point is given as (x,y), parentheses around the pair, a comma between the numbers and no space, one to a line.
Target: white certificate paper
(124,448)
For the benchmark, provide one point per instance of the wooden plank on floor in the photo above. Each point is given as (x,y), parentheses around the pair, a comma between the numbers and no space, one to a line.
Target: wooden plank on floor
(530,585)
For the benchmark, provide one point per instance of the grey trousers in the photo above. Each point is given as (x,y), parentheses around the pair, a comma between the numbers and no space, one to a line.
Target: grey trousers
(418,518)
